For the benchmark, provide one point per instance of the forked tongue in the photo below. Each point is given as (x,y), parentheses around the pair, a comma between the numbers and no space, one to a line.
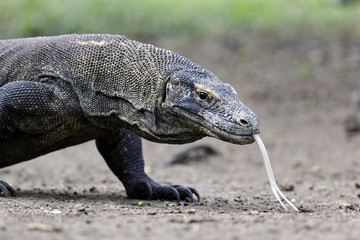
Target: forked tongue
(274,186)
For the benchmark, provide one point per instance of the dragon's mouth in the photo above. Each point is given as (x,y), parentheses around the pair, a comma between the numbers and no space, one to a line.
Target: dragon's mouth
(215,131)
(230,137)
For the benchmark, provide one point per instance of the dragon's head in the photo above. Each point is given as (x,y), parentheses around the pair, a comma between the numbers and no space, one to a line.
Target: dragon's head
(210,107)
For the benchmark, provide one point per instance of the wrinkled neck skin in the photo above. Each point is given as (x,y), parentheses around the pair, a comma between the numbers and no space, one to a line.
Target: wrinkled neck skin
(118,101)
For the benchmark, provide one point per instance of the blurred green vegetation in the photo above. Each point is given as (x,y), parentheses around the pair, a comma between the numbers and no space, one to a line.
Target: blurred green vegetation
(149,18)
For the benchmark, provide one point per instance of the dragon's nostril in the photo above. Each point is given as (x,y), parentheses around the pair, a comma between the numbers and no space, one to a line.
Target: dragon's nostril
(244,122)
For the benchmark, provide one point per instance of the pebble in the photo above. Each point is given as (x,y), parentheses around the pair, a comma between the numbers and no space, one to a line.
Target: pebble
(347,206)
(221,200)
(78,208)
(42,227)
(287,188)
(238,199)
(357,185)
(55,211)
(191,211)
(254,213)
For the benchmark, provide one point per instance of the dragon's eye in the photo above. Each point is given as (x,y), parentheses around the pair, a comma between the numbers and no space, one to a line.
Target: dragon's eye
(203,96)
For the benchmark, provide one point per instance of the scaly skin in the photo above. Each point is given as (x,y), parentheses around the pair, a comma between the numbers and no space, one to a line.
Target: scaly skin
(61,91)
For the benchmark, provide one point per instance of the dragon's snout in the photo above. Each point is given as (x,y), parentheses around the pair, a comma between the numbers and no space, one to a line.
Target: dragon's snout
(246,122)
(251,122)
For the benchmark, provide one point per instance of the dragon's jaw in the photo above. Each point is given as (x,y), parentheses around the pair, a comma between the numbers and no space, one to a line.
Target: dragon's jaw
(228,131)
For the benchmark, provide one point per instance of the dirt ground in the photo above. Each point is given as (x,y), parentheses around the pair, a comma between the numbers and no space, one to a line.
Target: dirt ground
(301,90)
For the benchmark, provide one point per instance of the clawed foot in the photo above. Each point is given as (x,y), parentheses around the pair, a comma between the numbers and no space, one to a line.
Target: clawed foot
(148,189)
(6,190)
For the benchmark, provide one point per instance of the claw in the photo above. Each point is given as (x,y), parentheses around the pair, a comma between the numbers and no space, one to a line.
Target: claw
(175,193)
(6,189)
(184,192)
(195,192)
(166,192)
(187,192)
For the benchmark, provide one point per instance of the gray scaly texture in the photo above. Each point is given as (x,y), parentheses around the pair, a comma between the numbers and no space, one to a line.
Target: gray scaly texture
(64,90)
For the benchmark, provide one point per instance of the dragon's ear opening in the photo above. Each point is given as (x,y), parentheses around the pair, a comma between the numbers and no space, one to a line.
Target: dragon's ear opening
(163,94)
(164,90)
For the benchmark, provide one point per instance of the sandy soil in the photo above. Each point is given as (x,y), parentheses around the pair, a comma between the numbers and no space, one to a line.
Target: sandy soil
(301,90)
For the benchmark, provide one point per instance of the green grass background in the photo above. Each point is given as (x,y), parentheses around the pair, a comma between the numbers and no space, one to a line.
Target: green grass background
(150,18)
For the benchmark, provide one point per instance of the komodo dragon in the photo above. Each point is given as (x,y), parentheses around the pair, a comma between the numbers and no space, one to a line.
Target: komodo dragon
(60,91)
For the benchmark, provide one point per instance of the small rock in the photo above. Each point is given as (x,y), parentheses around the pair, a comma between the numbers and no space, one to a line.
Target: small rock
(254,213)
(357,185)
(238,199)
(55,211)
(191,211)
(221,200)
(305,210)
(93,190)
(78,208)
(347,206)
(287,188)
(358,195)
(42,227)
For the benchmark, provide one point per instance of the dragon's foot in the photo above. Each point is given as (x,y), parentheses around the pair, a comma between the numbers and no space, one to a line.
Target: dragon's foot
(148,189)
(6,190)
